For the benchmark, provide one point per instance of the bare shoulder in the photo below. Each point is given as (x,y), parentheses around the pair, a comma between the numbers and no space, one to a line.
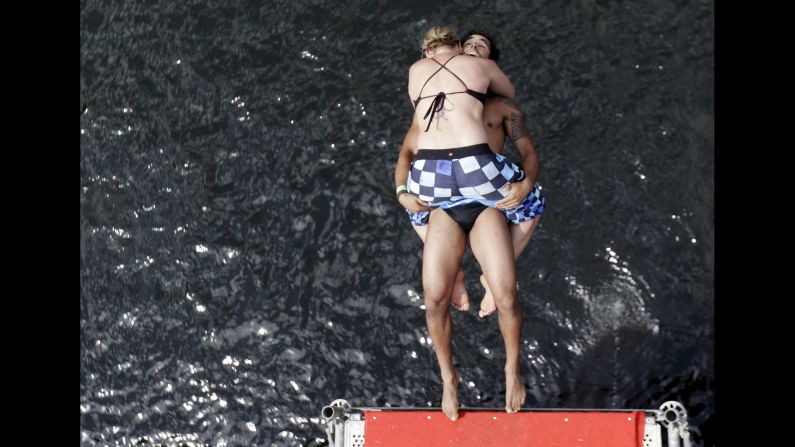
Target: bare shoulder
(485,62)
(420,65)
(487,65)
(415,66)
(415,71)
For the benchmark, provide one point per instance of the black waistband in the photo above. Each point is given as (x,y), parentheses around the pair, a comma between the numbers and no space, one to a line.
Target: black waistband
(456,152)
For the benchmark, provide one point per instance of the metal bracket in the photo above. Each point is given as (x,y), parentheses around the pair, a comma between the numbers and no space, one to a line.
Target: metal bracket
(344,427)
(673,416)
(651,433)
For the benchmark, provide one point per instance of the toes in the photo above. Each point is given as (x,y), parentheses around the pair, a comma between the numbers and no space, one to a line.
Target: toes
(463,306)
(483,313)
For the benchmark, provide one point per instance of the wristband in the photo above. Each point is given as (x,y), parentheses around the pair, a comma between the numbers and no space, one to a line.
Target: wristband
(401,188)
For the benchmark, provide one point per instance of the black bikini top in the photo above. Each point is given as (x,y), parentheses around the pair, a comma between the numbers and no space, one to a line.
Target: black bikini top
(438,101)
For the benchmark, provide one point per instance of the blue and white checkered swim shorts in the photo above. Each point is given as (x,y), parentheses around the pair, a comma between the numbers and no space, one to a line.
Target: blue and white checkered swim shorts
(451,177)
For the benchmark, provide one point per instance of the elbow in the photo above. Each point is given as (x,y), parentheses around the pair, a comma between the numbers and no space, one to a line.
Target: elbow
(511,94)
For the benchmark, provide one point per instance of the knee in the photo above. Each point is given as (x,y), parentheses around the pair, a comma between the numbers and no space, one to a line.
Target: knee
(507,301)
(436,298)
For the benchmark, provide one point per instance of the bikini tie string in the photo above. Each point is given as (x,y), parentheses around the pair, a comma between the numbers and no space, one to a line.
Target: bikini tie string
(436,106)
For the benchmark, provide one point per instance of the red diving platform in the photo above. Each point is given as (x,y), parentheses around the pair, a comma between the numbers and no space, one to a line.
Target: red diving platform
(387,427)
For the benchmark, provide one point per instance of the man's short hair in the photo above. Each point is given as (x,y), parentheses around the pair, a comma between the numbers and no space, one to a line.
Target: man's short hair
(495,52)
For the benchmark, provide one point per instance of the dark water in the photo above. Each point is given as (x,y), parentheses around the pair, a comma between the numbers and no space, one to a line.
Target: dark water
(244,262)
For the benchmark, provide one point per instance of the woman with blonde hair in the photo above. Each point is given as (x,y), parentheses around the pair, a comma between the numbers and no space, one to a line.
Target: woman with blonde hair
(455,171)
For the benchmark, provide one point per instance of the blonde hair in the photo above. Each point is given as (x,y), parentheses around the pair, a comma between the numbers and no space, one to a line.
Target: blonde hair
(439,36)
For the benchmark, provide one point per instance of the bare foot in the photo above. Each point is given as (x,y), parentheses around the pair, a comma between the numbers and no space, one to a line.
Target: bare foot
(460,297)
(450,397)
(515,393)
(487,306)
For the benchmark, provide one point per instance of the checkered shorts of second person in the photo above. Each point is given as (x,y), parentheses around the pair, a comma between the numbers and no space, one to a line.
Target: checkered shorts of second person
(530,208)
(477,177)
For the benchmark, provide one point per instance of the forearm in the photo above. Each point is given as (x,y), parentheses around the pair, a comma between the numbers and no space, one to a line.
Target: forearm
(405,198)
(517,133)
(529,160)
(403,165)
(520,190)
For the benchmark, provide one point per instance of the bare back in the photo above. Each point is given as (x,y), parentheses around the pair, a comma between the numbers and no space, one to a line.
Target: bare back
(459,122)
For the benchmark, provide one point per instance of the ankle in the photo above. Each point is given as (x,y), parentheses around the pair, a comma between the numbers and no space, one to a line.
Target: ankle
(512,369)
(450,378)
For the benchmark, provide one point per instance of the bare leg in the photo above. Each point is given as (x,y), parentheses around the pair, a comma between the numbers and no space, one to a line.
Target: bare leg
(444,247)
(520,236)
(487,306)
(491,244)
(459,297)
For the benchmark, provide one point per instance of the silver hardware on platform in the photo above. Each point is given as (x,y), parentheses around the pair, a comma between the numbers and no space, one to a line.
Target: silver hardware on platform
(673,416)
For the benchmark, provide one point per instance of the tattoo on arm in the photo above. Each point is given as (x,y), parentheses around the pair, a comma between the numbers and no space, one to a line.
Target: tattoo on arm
(511,104)
(518,127)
